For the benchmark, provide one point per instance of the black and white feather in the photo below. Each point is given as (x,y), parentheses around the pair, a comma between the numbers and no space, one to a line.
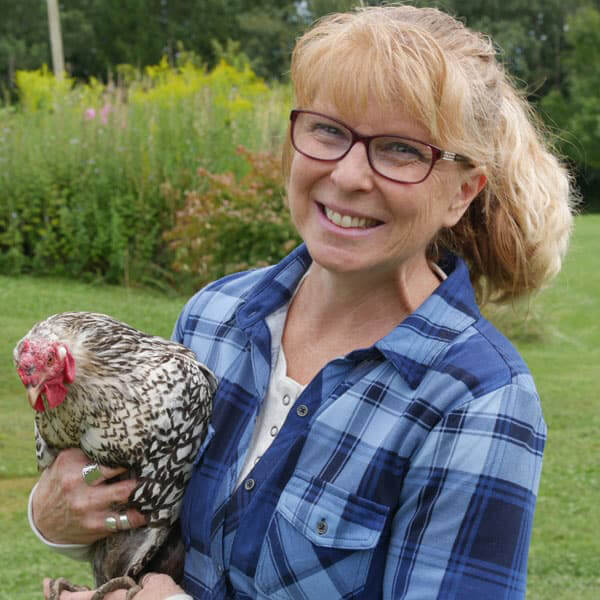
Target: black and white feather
(137,401)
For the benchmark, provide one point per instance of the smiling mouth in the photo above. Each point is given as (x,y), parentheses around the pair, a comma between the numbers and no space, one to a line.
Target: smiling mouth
(348,222)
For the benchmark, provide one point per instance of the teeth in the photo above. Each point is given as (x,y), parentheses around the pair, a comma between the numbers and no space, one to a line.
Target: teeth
(347,221)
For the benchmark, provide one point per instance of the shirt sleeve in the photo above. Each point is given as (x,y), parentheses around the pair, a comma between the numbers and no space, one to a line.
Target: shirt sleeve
(464,522)
(74,551)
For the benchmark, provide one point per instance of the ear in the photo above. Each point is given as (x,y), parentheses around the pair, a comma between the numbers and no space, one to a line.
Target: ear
(69,362)
(469,186)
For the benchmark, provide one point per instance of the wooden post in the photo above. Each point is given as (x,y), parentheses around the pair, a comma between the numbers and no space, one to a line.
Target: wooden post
(58,61)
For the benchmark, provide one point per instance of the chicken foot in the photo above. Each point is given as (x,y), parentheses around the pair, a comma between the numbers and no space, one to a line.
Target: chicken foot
(118,583)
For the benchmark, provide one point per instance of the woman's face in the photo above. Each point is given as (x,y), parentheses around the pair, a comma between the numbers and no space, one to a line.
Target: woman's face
(354,220)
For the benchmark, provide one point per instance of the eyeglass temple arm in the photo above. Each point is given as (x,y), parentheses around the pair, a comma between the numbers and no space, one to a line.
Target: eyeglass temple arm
(452,156)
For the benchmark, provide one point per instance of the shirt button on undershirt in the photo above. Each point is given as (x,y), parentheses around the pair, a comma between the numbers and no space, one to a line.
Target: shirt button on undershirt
(274,430)
(256,460)
(286,400)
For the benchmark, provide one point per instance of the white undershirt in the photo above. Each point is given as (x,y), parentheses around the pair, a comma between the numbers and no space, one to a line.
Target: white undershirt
(281,395)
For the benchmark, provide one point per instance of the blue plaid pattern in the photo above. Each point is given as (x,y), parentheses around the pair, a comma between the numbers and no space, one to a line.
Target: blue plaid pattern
(411,470)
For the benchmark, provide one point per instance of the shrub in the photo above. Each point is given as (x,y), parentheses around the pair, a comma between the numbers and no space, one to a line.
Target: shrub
(232,224)
(40,90)
(81,166)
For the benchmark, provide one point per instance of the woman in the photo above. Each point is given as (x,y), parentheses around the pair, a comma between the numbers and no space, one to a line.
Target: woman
(374,435)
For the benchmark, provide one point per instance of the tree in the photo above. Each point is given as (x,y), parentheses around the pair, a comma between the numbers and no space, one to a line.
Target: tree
(23,38)
(575,107)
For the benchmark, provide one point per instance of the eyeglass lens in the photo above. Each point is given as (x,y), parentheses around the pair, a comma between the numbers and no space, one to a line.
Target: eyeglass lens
(395,157)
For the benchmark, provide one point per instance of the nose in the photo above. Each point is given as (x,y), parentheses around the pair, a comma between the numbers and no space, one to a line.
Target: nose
(353,172)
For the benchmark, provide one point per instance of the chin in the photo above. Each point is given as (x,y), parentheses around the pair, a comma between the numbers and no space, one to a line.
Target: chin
(337,260)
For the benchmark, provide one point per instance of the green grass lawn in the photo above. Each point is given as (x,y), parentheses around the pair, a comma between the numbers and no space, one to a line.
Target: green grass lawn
(560,342)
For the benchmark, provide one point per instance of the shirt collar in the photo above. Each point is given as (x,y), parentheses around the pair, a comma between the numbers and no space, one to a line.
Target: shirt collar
(412,346)
(275,288)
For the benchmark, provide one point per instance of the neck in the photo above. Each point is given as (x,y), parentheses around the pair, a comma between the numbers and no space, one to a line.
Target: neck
(361,306)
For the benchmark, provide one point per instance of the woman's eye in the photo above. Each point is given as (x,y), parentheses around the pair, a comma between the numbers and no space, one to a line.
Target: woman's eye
(327,129)
(402,148)
(398,151)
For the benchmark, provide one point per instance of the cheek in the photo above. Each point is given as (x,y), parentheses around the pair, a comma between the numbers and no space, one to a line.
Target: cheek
(305,173)
(433,204)
(416,216)
(298,188)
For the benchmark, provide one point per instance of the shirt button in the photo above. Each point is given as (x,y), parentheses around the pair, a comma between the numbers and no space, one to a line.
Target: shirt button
(302,410)
(249,484)
(257,459)
(321,527)
(274,430)
(286,400)
(220,569)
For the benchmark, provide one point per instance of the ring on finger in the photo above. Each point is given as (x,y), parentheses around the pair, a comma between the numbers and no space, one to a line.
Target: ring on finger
(91,473)
(123,523)
(110,523)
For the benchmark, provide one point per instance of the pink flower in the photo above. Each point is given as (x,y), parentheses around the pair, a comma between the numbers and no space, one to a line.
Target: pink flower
(104,113)
(89,114)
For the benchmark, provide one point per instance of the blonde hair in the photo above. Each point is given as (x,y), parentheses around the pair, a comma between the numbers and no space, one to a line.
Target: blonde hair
(432,68)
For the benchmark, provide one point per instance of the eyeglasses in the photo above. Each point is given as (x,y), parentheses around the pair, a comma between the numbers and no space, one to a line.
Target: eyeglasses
(396,158)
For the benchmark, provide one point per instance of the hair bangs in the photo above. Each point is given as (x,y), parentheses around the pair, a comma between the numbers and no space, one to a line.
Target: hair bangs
(362,65)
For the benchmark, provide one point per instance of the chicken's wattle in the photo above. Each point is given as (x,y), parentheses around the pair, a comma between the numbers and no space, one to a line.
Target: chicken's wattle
(55,393)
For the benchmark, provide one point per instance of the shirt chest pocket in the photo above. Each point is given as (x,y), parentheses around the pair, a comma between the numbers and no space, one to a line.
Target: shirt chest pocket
(319,543)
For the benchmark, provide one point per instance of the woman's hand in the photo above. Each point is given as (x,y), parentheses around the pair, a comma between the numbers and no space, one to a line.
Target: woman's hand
(154,587)
(66,510)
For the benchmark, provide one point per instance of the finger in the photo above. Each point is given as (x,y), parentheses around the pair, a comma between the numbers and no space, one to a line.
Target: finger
(95,474)
(145,580)
(158,585)
(46,587)
(77,595)
(110,472)
(73,461)
(124,521)
(136,519)
(118,595)
(94,504)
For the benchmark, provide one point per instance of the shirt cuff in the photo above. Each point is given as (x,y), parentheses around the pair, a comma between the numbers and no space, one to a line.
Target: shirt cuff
(180,597)
(74,551)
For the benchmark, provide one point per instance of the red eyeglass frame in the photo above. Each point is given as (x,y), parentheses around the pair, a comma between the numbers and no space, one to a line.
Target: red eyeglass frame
(436,153)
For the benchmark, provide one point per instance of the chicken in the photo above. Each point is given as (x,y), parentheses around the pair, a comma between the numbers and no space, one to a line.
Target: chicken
(126,399)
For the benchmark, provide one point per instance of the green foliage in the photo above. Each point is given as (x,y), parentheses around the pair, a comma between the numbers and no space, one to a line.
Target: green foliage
(40,90)
(232,225)
(83,166)
(576,109)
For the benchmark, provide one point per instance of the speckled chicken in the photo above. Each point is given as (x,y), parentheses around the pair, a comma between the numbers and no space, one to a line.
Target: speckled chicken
(126,399)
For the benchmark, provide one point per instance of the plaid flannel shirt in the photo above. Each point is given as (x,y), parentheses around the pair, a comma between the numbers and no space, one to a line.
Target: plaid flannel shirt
(405,470)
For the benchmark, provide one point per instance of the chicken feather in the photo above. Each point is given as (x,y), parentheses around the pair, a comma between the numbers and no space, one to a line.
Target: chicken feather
(126,399)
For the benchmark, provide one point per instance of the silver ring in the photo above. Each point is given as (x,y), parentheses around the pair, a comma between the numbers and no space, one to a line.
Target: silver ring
(123,523)
(91,473)
(110,523)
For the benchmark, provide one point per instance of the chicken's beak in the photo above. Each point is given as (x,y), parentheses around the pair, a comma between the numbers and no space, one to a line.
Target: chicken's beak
(33,392)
